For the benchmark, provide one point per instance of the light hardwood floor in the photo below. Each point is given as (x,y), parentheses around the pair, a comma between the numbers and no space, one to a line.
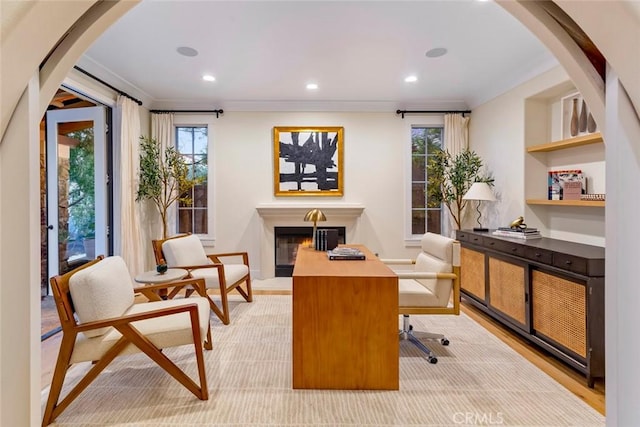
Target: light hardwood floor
(563,374)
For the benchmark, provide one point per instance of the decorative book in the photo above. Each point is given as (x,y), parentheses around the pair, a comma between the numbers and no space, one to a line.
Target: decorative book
(344,253)
(522,234)
(563,184)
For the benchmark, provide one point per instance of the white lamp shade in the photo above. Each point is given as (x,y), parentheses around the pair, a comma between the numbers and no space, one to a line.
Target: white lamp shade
(480,191)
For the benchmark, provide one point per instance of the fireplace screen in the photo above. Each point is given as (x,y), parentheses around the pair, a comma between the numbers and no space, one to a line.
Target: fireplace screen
(287,240)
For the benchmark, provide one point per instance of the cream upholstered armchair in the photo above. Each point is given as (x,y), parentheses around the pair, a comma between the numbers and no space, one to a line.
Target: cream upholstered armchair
(431,287)
(186,251)
(100,322)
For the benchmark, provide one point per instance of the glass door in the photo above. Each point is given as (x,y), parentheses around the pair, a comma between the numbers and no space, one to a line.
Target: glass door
(76,187)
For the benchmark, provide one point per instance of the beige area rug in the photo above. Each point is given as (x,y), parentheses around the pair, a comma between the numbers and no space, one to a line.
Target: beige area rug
(478,380)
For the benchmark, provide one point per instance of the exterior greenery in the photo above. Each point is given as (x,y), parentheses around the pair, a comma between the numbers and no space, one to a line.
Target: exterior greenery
(81,196)
(425,212)
(450,177)
(163,178)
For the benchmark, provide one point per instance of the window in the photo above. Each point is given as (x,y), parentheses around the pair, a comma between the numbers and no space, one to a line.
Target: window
(425,215)
(192,143)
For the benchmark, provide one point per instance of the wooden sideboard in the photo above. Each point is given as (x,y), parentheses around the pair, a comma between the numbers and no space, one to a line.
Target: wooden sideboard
(547,290)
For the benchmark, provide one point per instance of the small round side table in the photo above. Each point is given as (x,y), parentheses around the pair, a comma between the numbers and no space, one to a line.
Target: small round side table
(153,277)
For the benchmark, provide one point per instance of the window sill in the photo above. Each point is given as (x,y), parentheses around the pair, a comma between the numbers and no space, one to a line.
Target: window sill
(207,241)
(413,242)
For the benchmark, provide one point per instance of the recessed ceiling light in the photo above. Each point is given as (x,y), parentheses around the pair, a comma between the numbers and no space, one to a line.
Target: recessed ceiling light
(436,52)
(208,78)
(187,51)
(312,86)
(410,79)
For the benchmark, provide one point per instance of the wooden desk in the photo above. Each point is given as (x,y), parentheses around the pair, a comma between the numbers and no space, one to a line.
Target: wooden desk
(345,323)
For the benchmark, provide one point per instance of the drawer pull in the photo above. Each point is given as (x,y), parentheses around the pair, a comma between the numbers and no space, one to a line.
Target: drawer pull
(568,262)
(514,249)
(492,243)
(538,254)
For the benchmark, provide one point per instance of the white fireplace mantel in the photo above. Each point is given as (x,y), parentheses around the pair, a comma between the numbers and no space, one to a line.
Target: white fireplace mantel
(292,214)
(298,210)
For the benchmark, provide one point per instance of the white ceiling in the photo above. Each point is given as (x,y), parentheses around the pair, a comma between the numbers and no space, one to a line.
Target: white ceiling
(262,54)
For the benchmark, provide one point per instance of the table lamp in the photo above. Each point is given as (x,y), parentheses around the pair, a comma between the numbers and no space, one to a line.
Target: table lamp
(314,215)
(480,191)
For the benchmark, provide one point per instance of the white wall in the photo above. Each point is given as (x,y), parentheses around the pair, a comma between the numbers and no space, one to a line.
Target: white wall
(375,145)
(497,133)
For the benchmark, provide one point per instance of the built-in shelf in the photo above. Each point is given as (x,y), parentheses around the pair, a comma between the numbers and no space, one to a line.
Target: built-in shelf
(594,203)
(578,141)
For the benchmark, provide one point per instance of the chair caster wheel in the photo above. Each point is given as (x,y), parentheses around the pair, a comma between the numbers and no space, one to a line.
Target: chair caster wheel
(411,327)
(433,360)
(444,341)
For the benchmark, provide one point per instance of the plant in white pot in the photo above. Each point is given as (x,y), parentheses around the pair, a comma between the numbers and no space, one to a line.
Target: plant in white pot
(164,178)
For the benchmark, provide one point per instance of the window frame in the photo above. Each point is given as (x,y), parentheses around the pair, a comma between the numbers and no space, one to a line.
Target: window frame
(437,120)
(199,120)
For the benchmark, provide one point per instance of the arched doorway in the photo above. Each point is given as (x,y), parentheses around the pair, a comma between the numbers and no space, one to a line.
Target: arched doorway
(82,26)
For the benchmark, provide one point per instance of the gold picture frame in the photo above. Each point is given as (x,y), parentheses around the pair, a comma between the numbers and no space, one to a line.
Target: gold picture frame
(308,161)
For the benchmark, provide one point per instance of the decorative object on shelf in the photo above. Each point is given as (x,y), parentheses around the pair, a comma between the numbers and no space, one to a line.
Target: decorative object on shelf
(480,191)
(314,215)
(449,178)
(591,124)
(308,161)
(598,197)
(518,223)
(326,239)
(582,121)
(574,117)
(566,184)
(162,268)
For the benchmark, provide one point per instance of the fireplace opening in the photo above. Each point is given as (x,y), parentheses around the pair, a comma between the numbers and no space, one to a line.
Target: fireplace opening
(286,242)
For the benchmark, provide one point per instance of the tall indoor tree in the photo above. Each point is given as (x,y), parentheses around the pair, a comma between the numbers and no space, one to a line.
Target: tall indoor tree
(164,178)
(450,177)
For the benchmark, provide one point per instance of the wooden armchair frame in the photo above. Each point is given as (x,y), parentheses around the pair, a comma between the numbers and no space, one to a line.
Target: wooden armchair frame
(225,288)
(130,335)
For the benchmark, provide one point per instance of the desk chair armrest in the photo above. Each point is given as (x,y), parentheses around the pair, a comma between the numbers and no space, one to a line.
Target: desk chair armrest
(426,275)
(392,261)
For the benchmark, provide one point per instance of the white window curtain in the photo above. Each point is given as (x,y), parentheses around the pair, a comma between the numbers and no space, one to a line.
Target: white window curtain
(456,140)
(162,129)
(132,245)
(456,133)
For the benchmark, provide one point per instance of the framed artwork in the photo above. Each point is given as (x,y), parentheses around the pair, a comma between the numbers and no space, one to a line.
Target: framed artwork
(308,161)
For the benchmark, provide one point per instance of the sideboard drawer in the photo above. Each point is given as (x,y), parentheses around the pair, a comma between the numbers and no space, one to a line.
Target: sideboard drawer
(511,248)
(540,255)
(475,239)
(462,236)
(571,263)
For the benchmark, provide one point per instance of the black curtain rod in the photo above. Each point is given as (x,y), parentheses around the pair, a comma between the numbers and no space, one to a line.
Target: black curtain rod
(137,101)
(403,112)
(216,112)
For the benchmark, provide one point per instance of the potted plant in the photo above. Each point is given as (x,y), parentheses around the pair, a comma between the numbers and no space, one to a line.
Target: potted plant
(164,178)
(450,177)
